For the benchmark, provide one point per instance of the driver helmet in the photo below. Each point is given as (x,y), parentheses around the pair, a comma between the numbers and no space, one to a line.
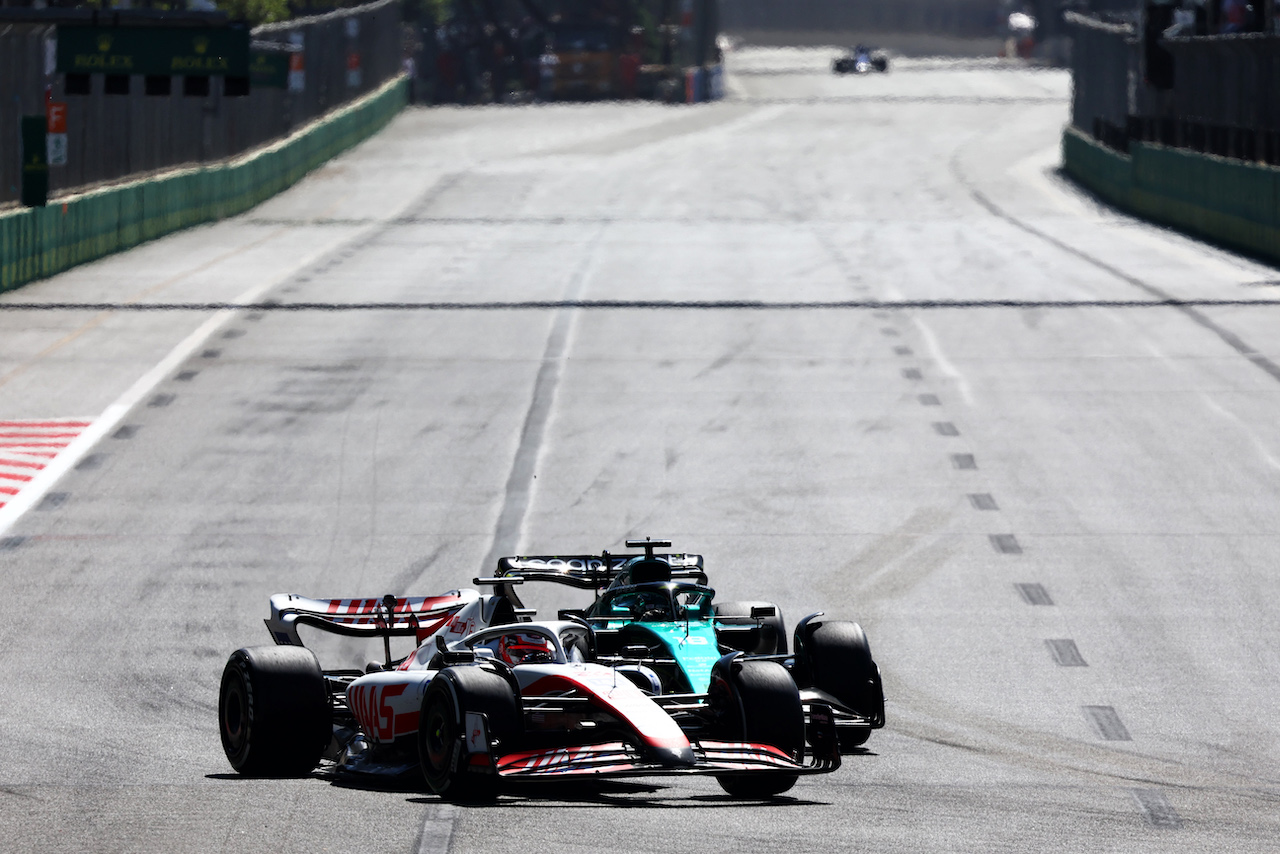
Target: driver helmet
(522,648)
(653,605)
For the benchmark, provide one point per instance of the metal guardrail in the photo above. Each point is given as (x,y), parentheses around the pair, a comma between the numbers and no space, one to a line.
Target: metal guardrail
(111,137)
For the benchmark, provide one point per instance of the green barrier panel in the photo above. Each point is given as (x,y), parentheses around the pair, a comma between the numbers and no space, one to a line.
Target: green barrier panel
(1226,201)
(1104,171)
(40,242)
(1232,201)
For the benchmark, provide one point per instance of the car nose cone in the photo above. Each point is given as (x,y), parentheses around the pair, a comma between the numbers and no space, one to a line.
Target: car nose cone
(674,757)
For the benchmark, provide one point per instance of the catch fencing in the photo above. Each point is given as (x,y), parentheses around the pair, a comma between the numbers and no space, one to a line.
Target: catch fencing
(345,55)
(1199,152)
(39,242)
(1224,98)
(966,18)
(1104,72)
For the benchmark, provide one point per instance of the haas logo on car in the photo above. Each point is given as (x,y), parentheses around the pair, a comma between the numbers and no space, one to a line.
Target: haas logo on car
(384,711)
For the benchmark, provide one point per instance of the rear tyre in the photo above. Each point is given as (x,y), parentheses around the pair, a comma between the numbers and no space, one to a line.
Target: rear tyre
(273,711)
(757,701)
(835,657)
(441,731)
(772,638)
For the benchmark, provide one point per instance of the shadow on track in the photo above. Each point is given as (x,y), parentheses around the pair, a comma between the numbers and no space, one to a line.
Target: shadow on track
(616,794)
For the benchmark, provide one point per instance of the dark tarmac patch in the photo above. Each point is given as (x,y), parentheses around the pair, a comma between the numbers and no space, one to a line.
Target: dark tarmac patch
(1065,653)
(1106,721)
(1006,544)
(983,501)
(1157,809)
(1034,594)
(91,462)
(53,501)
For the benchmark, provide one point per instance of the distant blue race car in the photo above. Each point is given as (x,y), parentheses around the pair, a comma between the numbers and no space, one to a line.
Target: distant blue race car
(860,60)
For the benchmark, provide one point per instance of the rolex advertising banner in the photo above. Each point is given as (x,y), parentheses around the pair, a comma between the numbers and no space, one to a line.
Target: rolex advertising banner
(269,68)
(190,51)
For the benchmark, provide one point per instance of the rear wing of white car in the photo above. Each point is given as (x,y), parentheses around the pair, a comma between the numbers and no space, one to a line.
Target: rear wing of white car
(410,616)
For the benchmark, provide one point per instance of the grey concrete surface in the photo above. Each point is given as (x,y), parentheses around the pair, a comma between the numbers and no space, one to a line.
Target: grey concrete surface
(909,468)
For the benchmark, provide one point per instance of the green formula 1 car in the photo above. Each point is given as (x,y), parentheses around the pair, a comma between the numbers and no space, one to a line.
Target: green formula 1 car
(654,619)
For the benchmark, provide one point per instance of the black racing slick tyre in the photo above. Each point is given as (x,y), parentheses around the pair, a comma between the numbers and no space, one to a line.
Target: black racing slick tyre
(441,730)
(771,639)
(274,712)
(757,701)
(834,656)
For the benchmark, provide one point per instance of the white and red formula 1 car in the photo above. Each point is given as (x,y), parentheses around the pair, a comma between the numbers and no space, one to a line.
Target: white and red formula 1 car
(483,699)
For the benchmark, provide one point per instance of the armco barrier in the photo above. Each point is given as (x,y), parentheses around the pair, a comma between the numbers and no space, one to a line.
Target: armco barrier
(1227,201)
(39,242)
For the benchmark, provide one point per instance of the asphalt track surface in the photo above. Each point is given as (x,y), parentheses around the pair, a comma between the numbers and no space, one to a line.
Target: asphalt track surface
(1030,444)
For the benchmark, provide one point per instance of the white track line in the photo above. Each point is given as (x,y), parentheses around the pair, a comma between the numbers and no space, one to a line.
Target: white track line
(34,491)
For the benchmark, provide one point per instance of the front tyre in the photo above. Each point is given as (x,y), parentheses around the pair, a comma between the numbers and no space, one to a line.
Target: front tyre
(446,765)
(834,656)
(273,711)
(757,702)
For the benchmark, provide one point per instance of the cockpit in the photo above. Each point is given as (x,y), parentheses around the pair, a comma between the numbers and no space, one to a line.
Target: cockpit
(667,602)
(534,644)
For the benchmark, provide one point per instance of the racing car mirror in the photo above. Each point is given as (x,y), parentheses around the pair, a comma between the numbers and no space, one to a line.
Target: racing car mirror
(636,652)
